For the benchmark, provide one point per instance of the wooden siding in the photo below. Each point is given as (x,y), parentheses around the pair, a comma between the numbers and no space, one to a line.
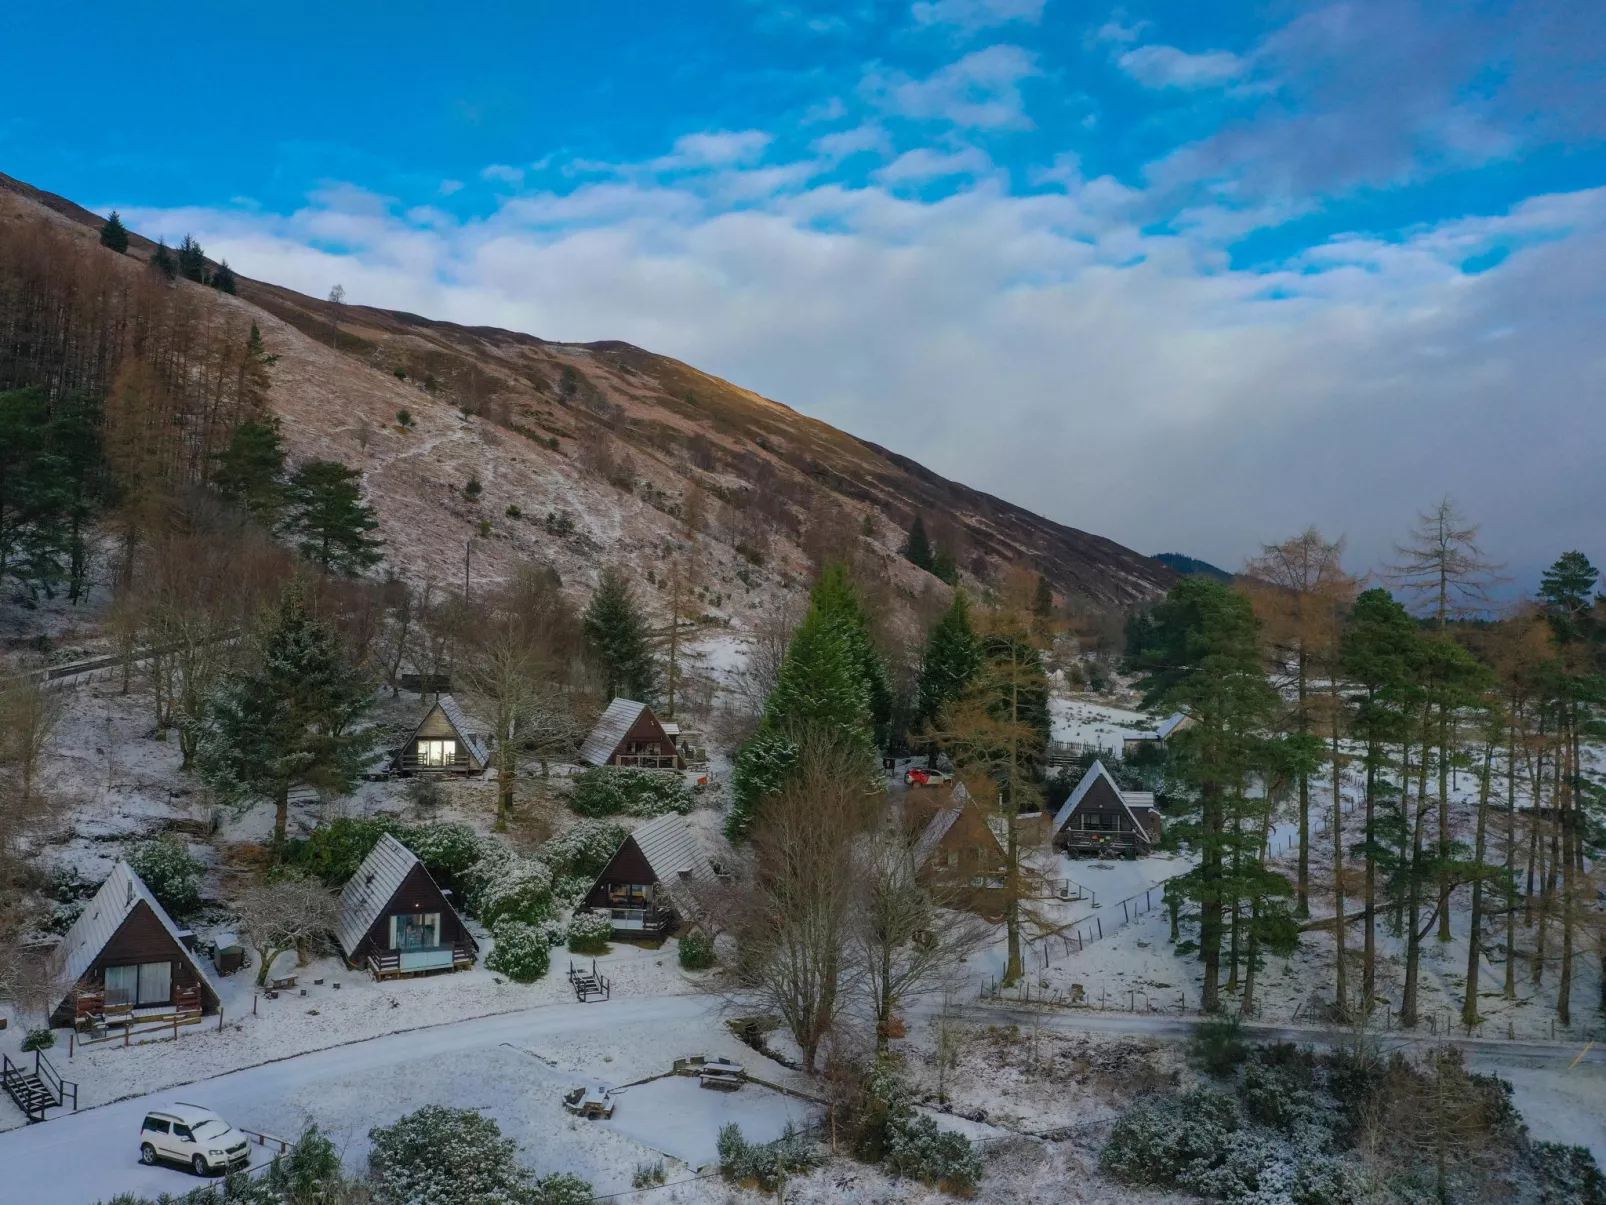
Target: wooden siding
(417,893)
(141,938)
(1102,823)
(967,865)
(646,738)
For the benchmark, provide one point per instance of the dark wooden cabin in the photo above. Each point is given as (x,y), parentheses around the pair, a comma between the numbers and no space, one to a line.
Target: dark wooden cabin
(646,885)
(124,955)
(1101,819)
(959,855)
(629,734)
(443,743)
(394,920)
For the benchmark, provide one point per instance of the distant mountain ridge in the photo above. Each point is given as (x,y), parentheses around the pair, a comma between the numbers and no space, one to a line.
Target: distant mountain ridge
(604,452)
(1189,566)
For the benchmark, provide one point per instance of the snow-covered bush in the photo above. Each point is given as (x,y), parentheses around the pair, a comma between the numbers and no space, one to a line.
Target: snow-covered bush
(1324,1180)
(447,851)
(569,890)
(561,1189)
(38,1039)
(764,1163)
(589,932)
(442,1156)
(1276,1088)
(1160,1137)
(521,951)
(173,876)
(696,951)
(622,791)
(332,852)
(918,1150)
(503,885)
(582,851)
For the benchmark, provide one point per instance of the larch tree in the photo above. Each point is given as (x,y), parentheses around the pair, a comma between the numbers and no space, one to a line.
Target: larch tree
(619,640)
(291,716)
(329,520)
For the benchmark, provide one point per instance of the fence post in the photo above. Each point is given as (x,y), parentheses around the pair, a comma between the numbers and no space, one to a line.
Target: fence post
(1101,927)
(1126,916)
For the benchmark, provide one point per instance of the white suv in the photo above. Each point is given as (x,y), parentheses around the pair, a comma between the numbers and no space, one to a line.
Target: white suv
(189,1134)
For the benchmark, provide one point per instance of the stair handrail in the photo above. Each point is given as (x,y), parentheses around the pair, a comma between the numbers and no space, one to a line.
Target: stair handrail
(48,1074)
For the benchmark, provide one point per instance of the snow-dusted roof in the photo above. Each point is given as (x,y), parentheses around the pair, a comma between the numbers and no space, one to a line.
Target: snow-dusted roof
(1129,800)
(459,720)
(937,827)
(367,892)
(671,849)
(103,916)
(1170,724)
(610,730)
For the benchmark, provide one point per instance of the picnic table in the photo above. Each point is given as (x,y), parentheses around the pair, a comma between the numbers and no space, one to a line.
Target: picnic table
(589,1100)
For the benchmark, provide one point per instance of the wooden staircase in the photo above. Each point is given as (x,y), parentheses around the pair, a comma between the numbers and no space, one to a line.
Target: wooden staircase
(589,985)
(38,1090)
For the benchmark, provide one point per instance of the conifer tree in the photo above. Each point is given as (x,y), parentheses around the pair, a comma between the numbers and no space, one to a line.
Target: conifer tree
(944,568)
(291,716)
(162,261)
(827,686)
(223,279)
(1043,604)
(329,519)
(192,261)
(114,234)
(953,655)
(616,632)
(917,548)
(250,471)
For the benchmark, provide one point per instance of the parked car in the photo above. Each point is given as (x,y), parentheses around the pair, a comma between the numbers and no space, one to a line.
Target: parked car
(194,1136)
(924,776)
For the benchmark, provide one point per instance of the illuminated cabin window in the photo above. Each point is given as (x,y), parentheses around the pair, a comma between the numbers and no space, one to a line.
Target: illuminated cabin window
(437,753)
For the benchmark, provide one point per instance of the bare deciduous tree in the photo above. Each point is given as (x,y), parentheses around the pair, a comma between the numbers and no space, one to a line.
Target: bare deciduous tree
(29,714)
(292,914)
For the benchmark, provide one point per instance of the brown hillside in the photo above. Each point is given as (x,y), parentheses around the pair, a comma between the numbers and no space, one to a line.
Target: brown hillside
(651,456)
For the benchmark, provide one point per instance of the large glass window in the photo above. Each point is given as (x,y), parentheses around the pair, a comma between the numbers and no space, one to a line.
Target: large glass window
(437,753)
(155,982)
(421,931)
(122,985)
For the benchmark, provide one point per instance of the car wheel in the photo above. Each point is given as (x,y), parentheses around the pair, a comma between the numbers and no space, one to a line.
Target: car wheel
(199,1164)
(147,1154)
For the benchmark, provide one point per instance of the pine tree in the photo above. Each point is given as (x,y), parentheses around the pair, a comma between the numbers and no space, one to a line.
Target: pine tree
(829,686)
(329,519)
(114,234)
(223,279)
(1043,604)
(250,471)
(192,261)
(953,655)
(291,717)
(162,261)
(944,568)
(917,548)
(617,634)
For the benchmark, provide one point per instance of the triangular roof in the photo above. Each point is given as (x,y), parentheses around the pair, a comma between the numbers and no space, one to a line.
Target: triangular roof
(610,729)
(1095,772)
(672,851)
(103,916)
(461,724)
(940,824)
(1170,724)
(363,898)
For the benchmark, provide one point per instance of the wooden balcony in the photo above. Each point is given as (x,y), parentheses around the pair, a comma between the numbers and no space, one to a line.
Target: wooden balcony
(390,964)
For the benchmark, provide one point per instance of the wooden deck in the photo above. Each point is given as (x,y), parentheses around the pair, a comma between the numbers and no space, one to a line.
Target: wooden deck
(397,964)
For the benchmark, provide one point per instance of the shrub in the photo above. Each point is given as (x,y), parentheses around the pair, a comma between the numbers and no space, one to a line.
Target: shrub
(38,1039)
(1276,1092)
(589,932)
(1159,1138)
(332,852)
(1324,1180)
(404,418)
(173,876)
(521,951)
(584,849)
(401,375)
(473,489)
(1218,1045)
(446,1157)
(561,1189)
(1567,1175)
(569,889)
(501,885)
(426,794)
(918,1150)
(764,1163)
(648,1175)
(448,851)
(696,951)
(622,791)
(513,511)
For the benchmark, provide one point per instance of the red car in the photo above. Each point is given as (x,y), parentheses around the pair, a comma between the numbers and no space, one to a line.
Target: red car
(922,776)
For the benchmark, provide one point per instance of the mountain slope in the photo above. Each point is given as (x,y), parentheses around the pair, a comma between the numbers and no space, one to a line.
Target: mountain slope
(607,452)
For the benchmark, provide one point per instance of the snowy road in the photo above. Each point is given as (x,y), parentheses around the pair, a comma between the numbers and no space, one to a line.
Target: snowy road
(77,1159)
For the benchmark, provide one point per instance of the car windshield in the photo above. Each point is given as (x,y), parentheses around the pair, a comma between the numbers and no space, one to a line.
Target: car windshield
(204,1129)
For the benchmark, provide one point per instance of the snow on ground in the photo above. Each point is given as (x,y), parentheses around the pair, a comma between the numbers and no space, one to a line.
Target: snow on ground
(1079,720)
(681,1118)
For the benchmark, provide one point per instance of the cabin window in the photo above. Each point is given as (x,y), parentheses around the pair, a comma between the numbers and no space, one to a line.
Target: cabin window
(421,931)
(437,753)
(155,982)
(628,895)
(122,985)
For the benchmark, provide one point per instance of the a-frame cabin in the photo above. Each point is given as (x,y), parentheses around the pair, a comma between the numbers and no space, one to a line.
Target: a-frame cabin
(646,885)
(394,920)
(124,953)
(443,743)
(628,733)
(1101,819)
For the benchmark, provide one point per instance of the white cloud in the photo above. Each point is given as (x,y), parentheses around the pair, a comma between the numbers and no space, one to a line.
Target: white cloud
(971,15)
(981,90)
(502,173)
(840,144)
(1116,30)
(1051,348)
(1167,67)
(923,164)
(720,148)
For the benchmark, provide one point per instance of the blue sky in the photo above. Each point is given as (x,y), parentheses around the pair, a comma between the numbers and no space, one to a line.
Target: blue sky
(1191,275)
